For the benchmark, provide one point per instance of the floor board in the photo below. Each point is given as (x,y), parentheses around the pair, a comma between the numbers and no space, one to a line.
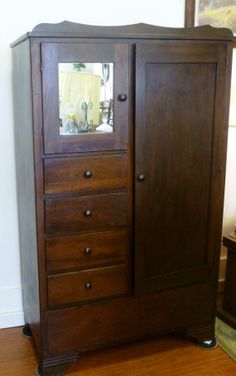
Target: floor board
(165,356)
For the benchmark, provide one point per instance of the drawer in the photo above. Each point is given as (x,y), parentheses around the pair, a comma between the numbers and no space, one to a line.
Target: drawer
(81,214)
(87,285)
(86,174)
(87,250)
(126,318)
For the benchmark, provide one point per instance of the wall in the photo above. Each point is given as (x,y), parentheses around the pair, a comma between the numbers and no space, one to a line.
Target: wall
(16,18)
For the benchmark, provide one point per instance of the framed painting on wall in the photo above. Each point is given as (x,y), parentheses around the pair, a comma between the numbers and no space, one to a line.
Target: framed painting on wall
(217,13)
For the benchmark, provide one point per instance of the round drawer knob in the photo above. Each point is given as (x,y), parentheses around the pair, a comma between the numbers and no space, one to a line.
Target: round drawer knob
(141,178)
(88,285)
(88,213)
(122,97)
(87,251)
(88,174)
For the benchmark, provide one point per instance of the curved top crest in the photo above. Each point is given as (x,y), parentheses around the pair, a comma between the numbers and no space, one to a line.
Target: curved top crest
(140,30)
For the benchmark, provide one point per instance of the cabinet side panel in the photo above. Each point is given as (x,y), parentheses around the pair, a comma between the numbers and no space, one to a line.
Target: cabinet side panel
(24,155)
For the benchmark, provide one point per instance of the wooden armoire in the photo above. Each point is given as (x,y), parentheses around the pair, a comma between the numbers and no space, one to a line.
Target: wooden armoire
(120,139)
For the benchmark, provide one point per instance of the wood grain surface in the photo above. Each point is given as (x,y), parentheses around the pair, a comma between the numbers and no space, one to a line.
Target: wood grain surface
(163,356)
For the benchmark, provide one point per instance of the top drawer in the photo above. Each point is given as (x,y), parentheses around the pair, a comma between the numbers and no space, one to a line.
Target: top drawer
(86,174)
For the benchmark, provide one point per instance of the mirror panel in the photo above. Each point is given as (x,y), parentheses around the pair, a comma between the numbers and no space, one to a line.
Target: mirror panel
(85,98)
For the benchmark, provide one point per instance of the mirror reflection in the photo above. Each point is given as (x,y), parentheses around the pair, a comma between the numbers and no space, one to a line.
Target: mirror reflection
(85,98)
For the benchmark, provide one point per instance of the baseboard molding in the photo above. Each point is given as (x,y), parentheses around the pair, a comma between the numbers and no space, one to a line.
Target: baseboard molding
(11,319)
(11,311)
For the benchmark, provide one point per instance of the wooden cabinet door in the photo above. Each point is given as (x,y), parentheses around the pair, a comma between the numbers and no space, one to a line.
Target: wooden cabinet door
(180,158)
(81,54)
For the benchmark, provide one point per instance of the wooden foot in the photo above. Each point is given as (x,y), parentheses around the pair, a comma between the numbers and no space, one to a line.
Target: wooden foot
(26,331)
(51,371)
(55,366)
(203,335)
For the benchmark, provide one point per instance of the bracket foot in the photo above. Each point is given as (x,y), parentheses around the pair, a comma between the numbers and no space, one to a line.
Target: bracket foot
(26,331)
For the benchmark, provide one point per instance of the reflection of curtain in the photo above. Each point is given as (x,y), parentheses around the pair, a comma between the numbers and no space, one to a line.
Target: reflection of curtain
(76,87)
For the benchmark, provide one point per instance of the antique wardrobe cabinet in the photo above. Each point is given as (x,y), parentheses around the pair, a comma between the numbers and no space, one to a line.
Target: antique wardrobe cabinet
(120,219)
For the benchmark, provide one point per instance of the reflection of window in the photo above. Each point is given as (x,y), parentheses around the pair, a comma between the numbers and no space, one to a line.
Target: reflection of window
(85,98)
(219,13)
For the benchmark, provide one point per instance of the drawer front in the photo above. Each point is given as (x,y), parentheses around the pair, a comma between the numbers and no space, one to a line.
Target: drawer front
(86,285)
(81,214)
(86,174)
(119,320)
(87,250)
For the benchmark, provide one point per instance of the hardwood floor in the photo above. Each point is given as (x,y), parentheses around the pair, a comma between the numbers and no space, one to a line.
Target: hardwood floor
(165,356)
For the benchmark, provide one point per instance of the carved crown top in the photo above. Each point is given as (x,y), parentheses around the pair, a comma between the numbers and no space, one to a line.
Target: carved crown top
(140,30)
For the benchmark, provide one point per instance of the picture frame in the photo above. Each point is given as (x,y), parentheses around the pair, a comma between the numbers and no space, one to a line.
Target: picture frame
(218,13)
(214,9)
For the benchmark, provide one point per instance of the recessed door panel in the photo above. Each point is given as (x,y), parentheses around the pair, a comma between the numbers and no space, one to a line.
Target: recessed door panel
(176,140)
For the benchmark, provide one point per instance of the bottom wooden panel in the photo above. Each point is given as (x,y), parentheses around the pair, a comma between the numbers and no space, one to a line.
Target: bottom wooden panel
(124,319)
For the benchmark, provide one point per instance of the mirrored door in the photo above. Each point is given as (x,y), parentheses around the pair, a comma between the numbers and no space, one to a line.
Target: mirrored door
(85,96)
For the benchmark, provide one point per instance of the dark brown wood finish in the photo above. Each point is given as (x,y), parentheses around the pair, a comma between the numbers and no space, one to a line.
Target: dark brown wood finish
(55,53)
(73,30)
(144,316)
(86,174)
(84,225)
(176,199)
(87,213)
(87,250)
(87,285)
(37,124)
(26,188)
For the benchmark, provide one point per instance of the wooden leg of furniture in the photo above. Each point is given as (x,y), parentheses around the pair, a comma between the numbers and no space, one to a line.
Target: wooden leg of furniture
(26,331)
(55,366)
(51,371)
(204,336)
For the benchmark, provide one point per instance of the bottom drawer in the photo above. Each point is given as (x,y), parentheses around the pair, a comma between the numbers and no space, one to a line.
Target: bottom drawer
(95,325)
(86,285)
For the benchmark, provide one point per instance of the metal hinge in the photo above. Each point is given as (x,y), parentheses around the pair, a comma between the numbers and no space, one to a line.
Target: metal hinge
(41,67)
(43,131)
